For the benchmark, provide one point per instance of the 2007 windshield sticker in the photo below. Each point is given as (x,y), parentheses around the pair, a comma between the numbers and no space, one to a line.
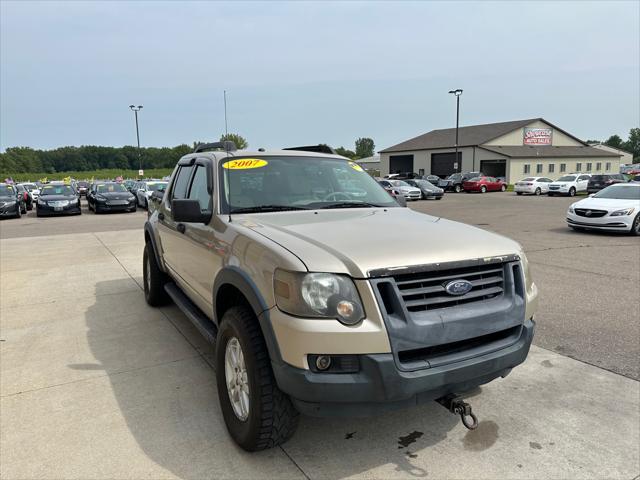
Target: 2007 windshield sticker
(245,163)
(356,167)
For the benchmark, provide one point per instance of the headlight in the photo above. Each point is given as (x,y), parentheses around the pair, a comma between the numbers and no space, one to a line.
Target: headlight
(620,213)
(41,202)
(571,209)
(318,295)
(9,203)
(100,198)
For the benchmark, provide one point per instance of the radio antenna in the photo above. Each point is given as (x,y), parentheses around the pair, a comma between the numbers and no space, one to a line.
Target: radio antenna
(226,147)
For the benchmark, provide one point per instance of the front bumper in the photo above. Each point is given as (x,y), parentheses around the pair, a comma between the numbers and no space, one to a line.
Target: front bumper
(9,210)
(430,195)
(49,210)
(110,207)
(609,223)
(380,385)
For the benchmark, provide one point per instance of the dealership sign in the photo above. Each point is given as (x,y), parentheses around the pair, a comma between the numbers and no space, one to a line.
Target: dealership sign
(537,136)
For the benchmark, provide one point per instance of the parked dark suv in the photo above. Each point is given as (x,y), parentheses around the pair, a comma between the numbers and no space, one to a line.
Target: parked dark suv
(454,181)
(598,182)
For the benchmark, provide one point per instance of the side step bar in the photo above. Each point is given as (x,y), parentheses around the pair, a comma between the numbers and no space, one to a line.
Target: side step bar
(193,313)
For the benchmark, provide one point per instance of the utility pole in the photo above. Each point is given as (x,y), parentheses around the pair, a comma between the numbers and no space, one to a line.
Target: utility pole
(135,111)
(457,93)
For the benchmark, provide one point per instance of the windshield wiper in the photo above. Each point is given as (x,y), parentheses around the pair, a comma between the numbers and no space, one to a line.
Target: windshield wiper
(267,208)
(351,205)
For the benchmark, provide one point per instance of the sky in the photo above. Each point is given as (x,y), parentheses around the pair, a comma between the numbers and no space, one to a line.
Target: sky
(311,72)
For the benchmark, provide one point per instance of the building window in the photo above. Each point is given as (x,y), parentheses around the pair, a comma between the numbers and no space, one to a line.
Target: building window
(608,166)
(527,169)
(598,166)
(552,167)
(421,171)
(589,167)
(539,168)
(578,167)
(563,167)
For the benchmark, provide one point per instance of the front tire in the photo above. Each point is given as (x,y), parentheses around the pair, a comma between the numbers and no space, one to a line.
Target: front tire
(153,278)
(538,191)
(268,417)
(635,227)
(483,189)
(572,192)
(503,188)
(518,193)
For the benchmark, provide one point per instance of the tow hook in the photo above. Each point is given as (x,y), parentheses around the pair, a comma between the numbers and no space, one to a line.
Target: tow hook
(458,406)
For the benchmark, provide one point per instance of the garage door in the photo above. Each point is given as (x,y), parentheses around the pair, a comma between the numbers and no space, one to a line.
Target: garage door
(494,168)
(443,164)
(400,163)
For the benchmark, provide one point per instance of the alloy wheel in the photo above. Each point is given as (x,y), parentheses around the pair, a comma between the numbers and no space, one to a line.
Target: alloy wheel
(237,379)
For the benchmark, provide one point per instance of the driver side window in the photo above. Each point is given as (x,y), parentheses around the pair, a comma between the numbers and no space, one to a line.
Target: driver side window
(198,190)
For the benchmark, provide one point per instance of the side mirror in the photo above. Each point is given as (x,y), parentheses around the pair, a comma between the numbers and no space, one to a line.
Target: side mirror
(185,210)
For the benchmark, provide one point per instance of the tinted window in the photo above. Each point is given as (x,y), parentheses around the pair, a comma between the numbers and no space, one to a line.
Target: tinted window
(567,178)
(198,190)
(181,182)
(584,177)
(7,190)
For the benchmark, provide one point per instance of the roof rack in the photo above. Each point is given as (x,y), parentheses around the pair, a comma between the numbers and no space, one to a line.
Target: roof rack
(227,145)
(320,148)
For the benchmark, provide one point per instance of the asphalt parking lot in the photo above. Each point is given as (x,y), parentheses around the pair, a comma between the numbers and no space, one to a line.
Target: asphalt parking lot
(95,384)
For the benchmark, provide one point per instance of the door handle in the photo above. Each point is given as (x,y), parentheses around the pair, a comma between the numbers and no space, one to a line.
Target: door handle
(180,227)
(161,216)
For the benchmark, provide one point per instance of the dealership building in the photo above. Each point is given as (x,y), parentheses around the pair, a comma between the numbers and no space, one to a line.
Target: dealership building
(508,149)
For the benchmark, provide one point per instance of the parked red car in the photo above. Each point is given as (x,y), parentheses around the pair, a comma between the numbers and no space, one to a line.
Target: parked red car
(484,184)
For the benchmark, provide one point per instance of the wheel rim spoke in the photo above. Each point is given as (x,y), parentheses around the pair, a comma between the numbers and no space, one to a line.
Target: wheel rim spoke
(237,379)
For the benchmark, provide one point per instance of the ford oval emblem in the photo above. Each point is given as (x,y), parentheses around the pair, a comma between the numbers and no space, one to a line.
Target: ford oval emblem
(458,287)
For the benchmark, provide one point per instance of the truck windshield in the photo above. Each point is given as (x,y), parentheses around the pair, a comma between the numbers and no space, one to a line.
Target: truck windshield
(297,183)
(6,191)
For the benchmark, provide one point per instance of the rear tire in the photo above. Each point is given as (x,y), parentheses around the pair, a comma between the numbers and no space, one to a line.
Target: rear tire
(271,418)
(153,278)
(457,188)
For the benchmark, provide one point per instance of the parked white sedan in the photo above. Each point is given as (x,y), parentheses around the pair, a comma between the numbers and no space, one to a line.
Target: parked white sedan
(570,184)
(615,208)
(406,190)
(533,185)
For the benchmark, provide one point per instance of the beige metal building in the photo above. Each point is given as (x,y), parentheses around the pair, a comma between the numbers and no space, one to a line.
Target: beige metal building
(508,149)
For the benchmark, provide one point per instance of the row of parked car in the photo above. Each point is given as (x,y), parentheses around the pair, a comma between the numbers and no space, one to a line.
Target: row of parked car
(63,198)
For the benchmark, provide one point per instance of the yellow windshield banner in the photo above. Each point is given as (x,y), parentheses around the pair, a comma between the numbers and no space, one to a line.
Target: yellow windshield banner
(245,163)
(356,167)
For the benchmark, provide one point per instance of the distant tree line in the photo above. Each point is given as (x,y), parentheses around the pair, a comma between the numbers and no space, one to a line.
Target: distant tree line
(632,145)
(92,157)
(88,158)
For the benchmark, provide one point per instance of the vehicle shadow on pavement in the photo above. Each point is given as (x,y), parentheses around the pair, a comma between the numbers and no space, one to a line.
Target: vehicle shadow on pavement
(160,373)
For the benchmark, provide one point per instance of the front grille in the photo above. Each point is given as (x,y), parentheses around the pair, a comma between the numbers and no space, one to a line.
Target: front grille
(553,187)
(585,212)
(426,290)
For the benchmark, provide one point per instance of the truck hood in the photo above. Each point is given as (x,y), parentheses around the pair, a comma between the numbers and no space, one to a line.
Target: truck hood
(357,241)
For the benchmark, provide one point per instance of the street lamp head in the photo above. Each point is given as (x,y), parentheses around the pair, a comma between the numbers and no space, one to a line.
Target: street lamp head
(133,106)
(456,92)
(140,106)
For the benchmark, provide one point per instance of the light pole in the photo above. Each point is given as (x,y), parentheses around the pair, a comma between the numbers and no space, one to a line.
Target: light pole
(135,111)
(457,92)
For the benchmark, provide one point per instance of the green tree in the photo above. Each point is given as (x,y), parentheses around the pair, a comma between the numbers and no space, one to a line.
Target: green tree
(614,141)
(632,145)
(240,141)
(346,153)
(365,147)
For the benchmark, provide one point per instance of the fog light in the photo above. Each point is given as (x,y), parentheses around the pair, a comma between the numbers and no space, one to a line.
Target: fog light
(323,362)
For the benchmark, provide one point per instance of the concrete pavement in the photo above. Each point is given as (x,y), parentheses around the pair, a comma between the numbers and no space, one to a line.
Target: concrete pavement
(96,384)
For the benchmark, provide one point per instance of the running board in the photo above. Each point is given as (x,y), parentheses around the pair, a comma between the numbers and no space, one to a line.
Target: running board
(193,313)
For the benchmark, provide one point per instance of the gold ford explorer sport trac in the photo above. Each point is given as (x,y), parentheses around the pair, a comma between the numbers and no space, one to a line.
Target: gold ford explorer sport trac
(324,296)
